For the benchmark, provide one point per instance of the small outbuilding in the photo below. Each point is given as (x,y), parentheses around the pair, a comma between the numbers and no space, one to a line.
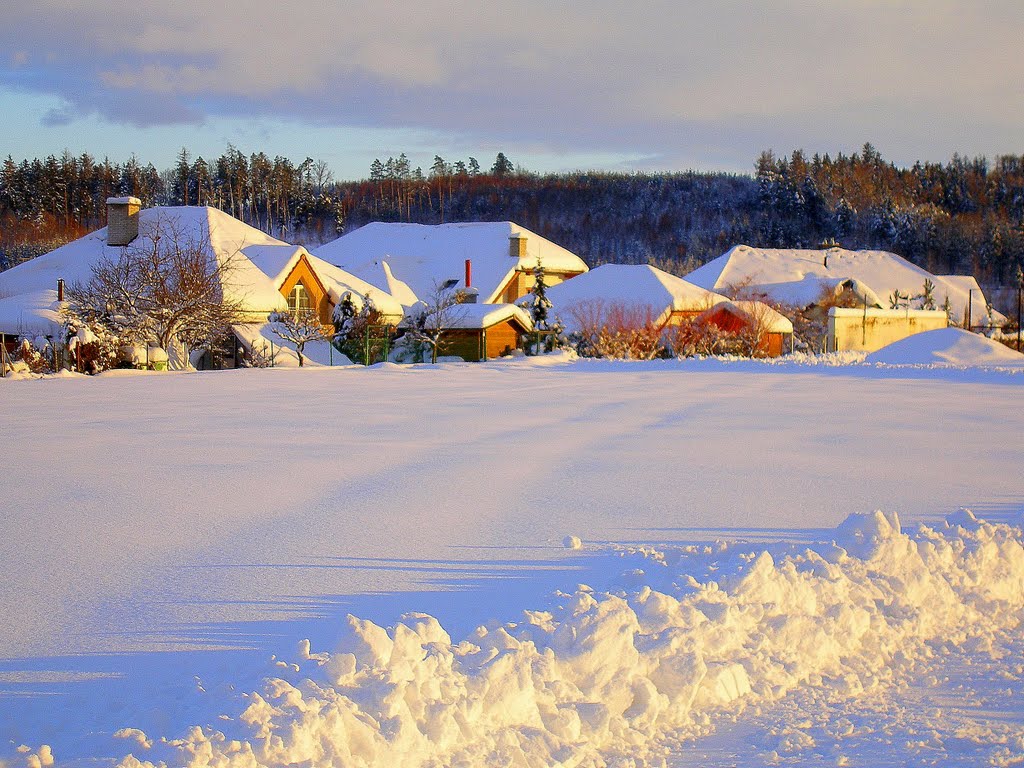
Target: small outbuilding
(479,332)
(771,328)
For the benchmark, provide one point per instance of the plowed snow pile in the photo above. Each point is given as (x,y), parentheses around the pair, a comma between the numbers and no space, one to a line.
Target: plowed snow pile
(612,678)
(947,346)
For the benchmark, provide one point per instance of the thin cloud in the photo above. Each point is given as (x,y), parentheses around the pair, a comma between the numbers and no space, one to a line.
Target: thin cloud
(659,79)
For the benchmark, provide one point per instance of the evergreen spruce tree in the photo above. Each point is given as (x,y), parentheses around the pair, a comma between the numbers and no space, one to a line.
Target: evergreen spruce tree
(502,166)
(539,306)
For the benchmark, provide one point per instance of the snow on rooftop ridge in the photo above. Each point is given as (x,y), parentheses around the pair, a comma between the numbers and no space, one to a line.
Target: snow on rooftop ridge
(423,256)
(799,276)
(397,288)
(480,316)
(28,286)
(769,319)
(631,285)
(338,282)
(472,316)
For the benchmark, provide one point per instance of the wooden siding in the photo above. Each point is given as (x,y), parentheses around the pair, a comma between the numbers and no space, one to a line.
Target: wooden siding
(502,339)
(318,298)
(469,344)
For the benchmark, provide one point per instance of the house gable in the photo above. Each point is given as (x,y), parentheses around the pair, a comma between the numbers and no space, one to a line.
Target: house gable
(319,299)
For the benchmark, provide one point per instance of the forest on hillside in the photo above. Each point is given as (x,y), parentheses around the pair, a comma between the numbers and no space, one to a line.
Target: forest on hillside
(965,216)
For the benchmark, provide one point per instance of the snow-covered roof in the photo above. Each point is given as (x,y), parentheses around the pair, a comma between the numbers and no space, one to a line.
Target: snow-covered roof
(632,285)
(800,276)
(35,313)
(480,316)
(338,282)
(29,290)
(278,261)
(771,320)
(422,257)
(275,260)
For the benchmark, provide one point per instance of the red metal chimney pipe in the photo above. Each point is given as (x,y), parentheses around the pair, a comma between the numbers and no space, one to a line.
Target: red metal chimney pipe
(469,273)
(60,289)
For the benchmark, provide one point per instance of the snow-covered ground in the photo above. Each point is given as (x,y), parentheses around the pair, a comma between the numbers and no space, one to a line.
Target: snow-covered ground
(170,540)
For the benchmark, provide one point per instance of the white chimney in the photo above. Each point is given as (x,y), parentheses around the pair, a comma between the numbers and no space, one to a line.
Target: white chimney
(122,219)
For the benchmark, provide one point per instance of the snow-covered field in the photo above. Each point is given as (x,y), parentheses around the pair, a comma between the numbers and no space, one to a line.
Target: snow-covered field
(170,542)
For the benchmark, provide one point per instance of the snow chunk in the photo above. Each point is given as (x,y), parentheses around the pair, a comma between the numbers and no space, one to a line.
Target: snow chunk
(605,675)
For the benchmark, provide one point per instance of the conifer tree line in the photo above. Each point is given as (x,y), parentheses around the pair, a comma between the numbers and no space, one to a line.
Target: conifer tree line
(964,216)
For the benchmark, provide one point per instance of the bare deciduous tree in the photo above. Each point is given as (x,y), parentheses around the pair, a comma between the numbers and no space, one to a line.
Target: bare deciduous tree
(300,328)
(616,330)
(166,286)
(427,321)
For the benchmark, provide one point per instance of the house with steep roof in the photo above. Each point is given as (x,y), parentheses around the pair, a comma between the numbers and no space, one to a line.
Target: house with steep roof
(646,293)
(307,282)
(669,299)
(805,277)
(33,290)
(264,274)
(414,261)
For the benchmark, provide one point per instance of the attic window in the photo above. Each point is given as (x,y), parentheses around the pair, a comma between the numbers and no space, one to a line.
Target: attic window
(298,299)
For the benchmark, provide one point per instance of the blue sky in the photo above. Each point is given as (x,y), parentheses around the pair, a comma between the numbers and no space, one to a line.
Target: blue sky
(555,85)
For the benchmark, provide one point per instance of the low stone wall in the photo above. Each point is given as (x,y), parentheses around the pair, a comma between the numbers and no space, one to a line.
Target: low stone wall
(871,329)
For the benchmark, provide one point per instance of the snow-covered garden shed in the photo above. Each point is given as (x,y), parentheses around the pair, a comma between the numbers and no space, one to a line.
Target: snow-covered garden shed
(413,261)
(478,332)
(770,328)
(804,277)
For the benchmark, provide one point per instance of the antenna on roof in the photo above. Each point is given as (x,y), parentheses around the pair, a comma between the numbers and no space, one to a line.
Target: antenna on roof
(826,245)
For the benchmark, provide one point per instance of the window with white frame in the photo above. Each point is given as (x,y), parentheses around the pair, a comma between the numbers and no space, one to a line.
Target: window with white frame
(298,299)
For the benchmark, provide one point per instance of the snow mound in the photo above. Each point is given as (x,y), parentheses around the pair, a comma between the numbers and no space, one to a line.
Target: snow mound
(607,678)
(947,346)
